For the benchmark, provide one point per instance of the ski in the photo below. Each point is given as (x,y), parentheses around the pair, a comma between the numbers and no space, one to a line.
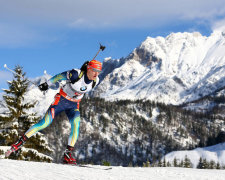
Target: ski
(7,153)
(87,166)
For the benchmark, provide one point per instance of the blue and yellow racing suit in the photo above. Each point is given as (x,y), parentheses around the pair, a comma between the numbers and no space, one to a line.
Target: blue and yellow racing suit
(66,100)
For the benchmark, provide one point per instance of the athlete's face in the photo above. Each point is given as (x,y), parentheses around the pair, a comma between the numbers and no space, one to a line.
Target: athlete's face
(92,75)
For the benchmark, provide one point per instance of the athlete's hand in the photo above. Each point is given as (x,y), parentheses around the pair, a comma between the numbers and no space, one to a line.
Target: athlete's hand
(43,86)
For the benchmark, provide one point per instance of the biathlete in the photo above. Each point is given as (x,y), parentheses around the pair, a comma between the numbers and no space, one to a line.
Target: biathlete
(78,82)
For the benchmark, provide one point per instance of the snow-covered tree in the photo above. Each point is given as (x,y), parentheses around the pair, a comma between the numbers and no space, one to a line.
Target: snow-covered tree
(200,163)
(164,162)
(175,162)
(160,164)
(212,164)
(15,120)
(187,162)
(168,164)
(218,165)
(205,164)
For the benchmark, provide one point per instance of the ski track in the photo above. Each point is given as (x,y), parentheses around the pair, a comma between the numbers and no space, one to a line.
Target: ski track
(24,170)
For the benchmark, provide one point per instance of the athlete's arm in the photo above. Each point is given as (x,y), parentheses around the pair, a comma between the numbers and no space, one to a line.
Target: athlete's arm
(57,78)
(67,75)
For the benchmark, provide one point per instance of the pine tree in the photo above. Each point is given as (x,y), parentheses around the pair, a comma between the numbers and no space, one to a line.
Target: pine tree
(212,164)
(175,162)
(168,164)
(16,120)
(200,163)
(164,162)
(147,164)
(15,109)
(187,162)
(218,165)
(205,164)
(160,163)
(181,163)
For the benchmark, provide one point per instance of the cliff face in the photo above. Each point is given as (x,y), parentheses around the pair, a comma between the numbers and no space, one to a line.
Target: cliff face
(179,68)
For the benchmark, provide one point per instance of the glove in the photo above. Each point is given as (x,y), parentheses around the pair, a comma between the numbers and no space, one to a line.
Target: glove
(43,86)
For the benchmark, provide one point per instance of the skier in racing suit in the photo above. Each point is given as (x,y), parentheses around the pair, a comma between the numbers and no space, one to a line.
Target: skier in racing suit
(78,82)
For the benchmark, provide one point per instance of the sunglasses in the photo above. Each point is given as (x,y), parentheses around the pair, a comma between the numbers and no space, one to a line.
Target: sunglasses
(96,70)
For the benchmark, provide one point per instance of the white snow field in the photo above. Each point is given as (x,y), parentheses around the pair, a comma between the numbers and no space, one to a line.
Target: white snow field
(215,153)
(23,170)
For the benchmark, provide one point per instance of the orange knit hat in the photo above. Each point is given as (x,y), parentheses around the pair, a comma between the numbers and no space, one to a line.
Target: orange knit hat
(95,65)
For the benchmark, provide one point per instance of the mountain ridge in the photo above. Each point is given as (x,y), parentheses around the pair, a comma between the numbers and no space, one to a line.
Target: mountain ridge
(179,68)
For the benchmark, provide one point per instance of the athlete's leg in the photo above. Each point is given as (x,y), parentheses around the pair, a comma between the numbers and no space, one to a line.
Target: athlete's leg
(52,111)
(43,123)
(73,115)
(74,118)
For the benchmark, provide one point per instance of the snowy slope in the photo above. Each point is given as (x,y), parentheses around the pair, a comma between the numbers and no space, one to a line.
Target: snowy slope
(20,170)
(178,68)
(215,153)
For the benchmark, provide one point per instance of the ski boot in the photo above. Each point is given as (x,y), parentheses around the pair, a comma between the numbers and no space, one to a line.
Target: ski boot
(68,159)
(17,145)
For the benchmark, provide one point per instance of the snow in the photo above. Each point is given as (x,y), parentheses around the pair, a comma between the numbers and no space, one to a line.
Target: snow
(155,113)
(5,148)
(22,170)
(178,68)
(215,153)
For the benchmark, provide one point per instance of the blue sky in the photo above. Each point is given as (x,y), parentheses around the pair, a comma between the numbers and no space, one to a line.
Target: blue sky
(58,35)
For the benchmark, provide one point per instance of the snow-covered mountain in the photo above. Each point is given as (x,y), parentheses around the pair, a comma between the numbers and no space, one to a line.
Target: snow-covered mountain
(214,153)
(179,68)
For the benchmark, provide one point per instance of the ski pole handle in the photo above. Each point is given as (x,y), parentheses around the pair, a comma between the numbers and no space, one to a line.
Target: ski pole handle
(101,48)
(6,67)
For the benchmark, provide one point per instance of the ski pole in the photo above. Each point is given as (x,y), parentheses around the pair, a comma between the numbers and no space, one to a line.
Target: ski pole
(101,48)
(6,67)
